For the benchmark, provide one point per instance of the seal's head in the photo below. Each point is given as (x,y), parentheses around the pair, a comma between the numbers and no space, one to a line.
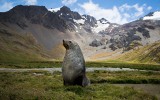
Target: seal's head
(70,44)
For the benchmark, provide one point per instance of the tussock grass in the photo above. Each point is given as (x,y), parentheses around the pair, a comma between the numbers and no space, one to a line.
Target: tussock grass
(20,86)
(124,77)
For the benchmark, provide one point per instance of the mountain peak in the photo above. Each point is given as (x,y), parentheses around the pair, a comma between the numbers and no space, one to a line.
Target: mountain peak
(65,9)
(30,7)
(21,15)
(21,12)
(103,21)
(67,14)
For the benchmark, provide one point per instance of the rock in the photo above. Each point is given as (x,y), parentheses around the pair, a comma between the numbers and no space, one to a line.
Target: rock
(95,43)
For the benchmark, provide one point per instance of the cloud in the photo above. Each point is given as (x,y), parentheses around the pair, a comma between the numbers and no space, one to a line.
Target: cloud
(112,15)
(120,15)
(149,8)
(136,9)
(56,9)
(6,6)
(126,15)
(140,10)
(68,2)
(30,2)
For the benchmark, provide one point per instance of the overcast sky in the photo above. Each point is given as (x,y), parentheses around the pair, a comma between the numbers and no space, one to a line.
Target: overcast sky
(118,11)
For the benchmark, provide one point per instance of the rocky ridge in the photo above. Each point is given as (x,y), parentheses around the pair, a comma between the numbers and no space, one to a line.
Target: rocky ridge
(49,28)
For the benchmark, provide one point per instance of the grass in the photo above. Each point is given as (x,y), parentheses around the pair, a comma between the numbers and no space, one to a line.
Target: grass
(102,54)
(56,64)
(149,53)
(125,77)
(155,67)
(44,85)
(58,51)
(14,57)
(15,47)
(31,64)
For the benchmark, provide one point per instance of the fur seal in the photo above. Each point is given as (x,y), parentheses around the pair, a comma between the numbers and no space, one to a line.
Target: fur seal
(73,66)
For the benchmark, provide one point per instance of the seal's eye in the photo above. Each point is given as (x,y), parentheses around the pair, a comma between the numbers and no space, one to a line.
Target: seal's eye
(70,42)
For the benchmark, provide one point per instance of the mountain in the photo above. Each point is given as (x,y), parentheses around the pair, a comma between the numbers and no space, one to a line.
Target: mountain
(152,16)
(77,21)
(20,47)
(138,33)
(142,31)
(36,32)
(21,15)
(47,28)
(43,24)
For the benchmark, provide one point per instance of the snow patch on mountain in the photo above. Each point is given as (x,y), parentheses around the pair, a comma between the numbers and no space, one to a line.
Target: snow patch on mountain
(84,17)
(101,25)
(75,26)
(155,16)
(80,21)
(54,9)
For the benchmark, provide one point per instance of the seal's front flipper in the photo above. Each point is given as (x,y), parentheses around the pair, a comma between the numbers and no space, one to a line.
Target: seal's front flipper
(78,80)
(85,81)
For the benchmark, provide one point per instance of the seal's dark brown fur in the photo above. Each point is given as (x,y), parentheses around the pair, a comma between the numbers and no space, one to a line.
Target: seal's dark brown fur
(73,67)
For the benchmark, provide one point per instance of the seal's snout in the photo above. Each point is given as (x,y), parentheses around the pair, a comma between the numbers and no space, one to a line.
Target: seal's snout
(65,44)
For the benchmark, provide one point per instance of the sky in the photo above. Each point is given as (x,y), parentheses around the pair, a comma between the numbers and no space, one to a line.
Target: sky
(115,11)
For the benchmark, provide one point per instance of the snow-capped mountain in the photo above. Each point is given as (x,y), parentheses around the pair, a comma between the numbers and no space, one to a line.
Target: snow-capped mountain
(82,22)
(49,27)
(139,32)
(152,16)
(101,25)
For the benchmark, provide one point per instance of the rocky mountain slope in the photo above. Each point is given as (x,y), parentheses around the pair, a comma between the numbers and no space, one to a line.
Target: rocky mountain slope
(47,29)
(147,54)
(137,33)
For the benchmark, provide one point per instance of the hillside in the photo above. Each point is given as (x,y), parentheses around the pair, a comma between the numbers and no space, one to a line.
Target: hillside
(16,47)
(35,33)
(147,54)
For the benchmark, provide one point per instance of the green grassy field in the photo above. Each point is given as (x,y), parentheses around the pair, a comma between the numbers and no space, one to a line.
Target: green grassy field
(55,64)
(32,64)
(42,85)
(125,77)
(117,64)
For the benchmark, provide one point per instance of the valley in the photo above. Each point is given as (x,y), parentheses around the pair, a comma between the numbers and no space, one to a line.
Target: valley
(30,37)
(32,52)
